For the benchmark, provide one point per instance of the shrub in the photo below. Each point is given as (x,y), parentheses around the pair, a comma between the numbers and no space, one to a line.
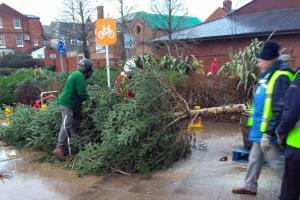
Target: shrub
(19,61)
(210,91)
(176,78)
(6,71)
(242,65)
(26,93)
(24,87)
(9,83)
(50,67)
(183,65)
(99,76)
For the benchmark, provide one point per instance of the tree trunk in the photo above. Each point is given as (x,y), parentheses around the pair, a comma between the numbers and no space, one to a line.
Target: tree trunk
(222,110)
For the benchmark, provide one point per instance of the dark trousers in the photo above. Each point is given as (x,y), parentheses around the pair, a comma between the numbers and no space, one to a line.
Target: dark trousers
(290,188)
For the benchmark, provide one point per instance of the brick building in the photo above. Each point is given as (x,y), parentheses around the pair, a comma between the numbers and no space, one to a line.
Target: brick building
(221,12)
(18,33)
(144,27)
(257,19)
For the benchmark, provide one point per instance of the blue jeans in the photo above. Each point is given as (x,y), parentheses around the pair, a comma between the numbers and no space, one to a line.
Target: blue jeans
(257,158)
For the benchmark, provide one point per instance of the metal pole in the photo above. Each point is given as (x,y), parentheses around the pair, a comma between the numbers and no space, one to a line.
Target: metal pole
(127,52)
(107,65)
(62,63)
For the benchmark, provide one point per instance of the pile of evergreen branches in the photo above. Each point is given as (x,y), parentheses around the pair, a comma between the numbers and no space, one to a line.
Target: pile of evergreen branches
(116,134)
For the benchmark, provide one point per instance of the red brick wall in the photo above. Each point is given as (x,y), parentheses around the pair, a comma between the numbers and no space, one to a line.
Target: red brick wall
(70,63)
(32,27)
(264,5)
(141,40)
(206,50)
(35,32)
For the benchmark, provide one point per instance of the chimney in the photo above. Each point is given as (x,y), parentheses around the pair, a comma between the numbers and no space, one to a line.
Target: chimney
(227,5)
(100,12)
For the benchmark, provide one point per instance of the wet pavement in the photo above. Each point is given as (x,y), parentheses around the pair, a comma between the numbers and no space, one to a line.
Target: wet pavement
(35,181)
(201,176)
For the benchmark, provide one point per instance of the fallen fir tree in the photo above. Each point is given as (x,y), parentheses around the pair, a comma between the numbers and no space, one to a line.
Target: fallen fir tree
(116,134)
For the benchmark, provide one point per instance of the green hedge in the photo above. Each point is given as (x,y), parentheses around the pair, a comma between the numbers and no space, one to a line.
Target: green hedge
(18,61)
(9,83)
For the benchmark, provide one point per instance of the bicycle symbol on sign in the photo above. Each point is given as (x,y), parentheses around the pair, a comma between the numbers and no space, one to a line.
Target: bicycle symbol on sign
(106,31)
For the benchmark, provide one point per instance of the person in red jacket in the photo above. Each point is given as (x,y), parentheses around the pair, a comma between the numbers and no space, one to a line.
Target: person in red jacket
(122,84)
(214,67)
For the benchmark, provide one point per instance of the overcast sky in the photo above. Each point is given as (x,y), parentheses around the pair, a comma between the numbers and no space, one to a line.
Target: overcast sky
(48,10)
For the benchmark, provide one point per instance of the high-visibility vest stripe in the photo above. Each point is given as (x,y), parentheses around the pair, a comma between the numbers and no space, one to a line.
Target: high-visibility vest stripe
(293,138)
(267,112)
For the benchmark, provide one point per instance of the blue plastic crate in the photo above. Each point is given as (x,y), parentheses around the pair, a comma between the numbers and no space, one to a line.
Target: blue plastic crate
(240,154)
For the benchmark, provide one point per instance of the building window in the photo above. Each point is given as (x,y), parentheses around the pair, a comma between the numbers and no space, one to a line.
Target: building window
(19,39)
(17,23)
(138,29)
(1,23)
(36,42)
(2,41)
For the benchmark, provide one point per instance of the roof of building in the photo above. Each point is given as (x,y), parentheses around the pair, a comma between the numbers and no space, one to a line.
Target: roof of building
(259,23)
(157,21)
(4,6)
(32,17)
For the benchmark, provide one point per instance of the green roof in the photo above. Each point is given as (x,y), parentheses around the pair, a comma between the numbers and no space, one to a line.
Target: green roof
(157,21)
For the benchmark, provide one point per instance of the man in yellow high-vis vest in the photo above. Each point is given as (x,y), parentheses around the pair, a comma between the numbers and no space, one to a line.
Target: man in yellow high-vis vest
(267,109)
(288,133)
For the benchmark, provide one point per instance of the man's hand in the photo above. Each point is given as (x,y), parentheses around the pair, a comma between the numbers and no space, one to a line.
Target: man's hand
(265,142)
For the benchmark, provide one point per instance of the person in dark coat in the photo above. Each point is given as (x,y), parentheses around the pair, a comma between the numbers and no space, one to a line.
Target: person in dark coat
(266,113)
(288,132)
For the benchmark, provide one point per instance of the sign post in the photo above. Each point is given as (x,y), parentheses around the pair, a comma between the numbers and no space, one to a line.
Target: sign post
(107,65)
(61,49)
(106,34)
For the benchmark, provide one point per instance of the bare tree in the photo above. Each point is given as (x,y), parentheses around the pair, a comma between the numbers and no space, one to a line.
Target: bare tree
(78,13)
(168,10)
(124,11)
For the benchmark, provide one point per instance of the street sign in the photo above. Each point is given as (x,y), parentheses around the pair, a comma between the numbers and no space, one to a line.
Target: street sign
(106,31)
(100,49)
(61,48)
(128,41)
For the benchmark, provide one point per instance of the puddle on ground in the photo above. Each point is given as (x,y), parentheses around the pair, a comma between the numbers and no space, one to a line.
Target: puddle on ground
(216,130)
(35,181)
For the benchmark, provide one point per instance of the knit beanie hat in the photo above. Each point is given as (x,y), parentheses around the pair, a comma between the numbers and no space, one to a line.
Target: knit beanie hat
(270,51)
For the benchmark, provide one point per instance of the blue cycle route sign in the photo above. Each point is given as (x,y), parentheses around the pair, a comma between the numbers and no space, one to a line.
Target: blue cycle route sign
(61,48)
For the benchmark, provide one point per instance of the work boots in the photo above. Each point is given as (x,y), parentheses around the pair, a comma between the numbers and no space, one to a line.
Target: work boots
(242,190)
(59,153)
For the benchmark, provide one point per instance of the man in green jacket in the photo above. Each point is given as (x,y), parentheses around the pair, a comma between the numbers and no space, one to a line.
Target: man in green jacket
(70,99)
